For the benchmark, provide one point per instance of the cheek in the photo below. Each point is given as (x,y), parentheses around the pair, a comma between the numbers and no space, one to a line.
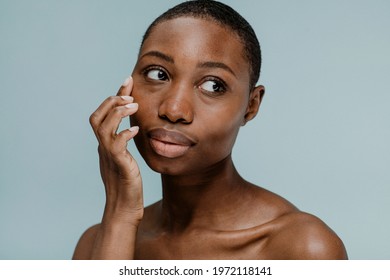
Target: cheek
(221,132)
(147,105)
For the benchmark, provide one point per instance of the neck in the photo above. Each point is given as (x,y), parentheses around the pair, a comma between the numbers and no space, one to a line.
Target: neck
(200,199)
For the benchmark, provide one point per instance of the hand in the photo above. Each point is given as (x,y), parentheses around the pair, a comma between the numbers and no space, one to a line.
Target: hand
(119,170)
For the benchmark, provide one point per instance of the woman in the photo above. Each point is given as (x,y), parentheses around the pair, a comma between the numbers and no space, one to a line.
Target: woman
(192,88)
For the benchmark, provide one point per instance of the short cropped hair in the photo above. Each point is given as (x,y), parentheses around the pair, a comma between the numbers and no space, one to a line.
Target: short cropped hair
(225,16)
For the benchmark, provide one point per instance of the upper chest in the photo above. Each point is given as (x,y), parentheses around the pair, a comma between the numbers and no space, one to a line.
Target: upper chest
(243,244)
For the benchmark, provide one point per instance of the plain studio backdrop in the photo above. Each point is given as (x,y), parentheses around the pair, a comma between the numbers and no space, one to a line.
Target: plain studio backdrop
(321,139)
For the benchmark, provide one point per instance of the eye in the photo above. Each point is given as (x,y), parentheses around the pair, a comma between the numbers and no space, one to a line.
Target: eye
(156,74)
(213,86)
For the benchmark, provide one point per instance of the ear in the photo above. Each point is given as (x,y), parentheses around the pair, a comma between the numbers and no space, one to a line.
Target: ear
(254,102)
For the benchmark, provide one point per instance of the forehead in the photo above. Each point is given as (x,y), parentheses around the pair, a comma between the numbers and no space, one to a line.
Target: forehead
(199,39)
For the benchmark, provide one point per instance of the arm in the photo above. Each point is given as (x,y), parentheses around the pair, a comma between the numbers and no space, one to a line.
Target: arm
(115,237)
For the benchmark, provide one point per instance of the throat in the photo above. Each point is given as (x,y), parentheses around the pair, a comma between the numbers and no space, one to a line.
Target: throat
(203,199)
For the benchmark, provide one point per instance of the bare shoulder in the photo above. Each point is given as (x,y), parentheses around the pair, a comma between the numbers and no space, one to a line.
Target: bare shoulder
(85,245)
(292,234)
(298,235)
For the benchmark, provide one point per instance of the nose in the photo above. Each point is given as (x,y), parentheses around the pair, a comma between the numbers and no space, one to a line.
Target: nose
(177,106)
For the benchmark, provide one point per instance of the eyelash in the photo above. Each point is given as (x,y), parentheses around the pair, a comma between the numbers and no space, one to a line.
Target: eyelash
(146,71)
(218,82)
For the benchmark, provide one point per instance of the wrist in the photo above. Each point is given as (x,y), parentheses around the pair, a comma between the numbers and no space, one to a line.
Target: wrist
(121,218)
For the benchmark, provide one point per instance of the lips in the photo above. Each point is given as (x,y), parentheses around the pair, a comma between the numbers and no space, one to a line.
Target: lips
(168,143)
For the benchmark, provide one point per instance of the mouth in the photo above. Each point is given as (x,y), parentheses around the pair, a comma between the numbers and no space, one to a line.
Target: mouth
(168,143)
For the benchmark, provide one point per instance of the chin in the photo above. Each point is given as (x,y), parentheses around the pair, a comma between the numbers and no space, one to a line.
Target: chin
(172,167)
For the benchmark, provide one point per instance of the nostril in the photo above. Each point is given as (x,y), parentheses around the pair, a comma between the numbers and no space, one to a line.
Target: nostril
(164,117)
(173,119)
(176,110)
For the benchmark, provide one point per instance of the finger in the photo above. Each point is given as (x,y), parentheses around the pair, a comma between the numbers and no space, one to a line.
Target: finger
(123,97)
(103,110)
(123,138)
(127,86)
(109,126)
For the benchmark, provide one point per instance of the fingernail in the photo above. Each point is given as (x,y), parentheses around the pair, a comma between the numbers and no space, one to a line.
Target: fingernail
(131,105)
(127,98)
(126,82)
(134,128)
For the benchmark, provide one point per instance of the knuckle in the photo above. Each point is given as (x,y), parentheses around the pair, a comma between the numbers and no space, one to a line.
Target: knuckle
(110,98)
(92,119)
(122,136)
(118,110)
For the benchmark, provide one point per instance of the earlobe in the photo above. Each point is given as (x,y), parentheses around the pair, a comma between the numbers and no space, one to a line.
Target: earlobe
(254,102)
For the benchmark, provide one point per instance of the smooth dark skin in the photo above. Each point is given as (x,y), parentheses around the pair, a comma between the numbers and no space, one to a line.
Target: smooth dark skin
(208,211)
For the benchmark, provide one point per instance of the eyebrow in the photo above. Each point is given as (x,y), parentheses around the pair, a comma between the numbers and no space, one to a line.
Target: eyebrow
(213,64)
(206,64)
(158,54)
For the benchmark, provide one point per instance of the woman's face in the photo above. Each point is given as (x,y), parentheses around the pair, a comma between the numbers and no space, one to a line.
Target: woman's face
(191,82)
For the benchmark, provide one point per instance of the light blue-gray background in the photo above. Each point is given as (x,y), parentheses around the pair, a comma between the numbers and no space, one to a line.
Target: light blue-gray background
(321,139)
